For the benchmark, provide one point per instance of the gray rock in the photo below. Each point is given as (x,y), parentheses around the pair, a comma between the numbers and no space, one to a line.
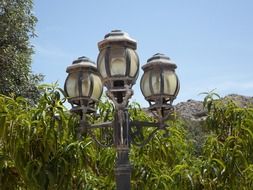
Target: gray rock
(191,109)
(194,110)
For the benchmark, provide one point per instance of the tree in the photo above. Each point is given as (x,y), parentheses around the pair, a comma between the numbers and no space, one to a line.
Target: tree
(17,27)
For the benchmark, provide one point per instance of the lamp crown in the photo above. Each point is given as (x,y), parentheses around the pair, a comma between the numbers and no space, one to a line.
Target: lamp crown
(117,37)
(159,60)
(116,33)
(158,56)
(82,59)
(82,62)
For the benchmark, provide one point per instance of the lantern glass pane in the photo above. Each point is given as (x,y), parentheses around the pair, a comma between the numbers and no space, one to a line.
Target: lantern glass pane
(85,79)
(118,62)
(170,83)
(71,85)
(156,82)
(101,64)
(145,87)
(134,63)
(97,87)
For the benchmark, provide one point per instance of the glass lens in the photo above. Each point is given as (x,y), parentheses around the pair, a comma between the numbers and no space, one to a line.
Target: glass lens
(156,81)
(97,87)
(85,79)
(118,62)
(101,64)
(145,87)
(170,83)
(134,63)
(71,85)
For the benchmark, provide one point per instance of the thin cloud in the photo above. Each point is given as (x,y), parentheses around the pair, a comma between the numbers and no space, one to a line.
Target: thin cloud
(50,51)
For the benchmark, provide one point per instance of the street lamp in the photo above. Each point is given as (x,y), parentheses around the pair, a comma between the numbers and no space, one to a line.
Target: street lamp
(117,69)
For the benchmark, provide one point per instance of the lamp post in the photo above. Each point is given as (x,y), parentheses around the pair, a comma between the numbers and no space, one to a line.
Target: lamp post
(117,69)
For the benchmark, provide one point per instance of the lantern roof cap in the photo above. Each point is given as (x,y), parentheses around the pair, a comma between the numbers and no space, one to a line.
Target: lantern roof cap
(81,62)
(117,37)
(159,60)
(82,59)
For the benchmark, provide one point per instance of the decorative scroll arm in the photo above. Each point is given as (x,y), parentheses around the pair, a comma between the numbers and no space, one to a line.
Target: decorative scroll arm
(86,128)
(138,125)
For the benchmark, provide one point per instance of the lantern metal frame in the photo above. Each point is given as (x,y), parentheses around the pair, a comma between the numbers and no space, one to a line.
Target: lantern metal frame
(125,131)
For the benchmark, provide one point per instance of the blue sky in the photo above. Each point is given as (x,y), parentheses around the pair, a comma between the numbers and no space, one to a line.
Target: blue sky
(211,41)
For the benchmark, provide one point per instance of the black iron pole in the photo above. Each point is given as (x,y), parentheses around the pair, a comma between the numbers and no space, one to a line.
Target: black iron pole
(123,170)
(122,167)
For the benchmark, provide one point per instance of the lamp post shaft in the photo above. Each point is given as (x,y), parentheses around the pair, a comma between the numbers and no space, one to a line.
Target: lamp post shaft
(122,167)
(123,170)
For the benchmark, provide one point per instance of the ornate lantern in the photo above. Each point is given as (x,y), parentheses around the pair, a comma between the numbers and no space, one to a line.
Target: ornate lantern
(118,63)
(159,83)
(83,85)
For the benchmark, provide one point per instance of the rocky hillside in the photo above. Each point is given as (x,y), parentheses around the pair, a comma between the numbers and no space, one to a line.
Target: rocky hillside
(194,110)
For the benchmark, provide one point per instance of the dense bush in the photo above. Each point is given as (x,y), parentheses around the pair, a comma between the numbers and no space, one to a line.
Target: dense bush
(39,149)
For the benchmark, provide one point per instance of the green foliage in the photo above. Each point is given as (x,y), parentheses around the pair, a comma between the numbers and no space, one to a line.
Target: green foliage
(17,27)
(228,151)
(209,99)
(155,166)
(38,145)
(40,150)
